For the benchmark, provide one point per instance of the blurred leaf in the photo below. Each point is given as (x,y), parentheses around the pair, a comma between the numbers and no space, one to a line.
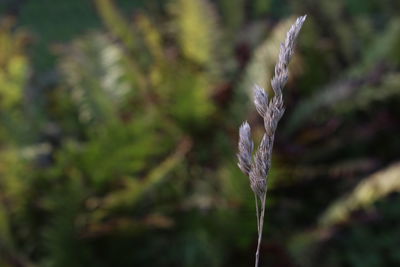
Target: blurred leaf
(135,189)
(96,72)
(369,190)
(116,22)
(232,14)
(196,35)
(62,244)
(188,96)
(14,71)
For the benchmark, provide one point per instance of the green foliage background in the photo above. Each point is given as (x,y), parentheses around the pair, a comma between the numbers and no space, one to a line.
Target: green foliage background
(118,133)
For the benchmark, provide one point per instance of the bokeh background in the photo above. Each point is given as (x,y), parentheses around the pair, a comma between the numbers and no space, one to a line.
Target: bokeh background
(119,126)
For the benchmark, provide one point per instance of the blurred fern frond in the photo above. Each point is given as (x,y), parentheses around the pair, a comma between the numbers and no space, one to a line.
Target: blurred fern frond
(197,36)
(97,75)
(14,67)
(371,189)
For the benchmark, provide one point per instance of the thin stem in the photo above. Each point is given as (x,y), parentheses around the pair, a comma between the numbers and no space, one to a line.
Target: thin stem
(260,230)
(258,214)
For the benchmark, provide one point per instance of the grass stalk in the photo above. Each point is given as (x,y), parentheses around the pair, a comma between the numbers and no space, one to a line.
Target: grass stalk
(257,167)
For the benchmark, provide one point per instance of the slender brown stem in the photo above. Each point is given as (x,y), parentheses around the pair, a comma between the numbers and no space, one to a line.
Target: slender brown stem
(261,224)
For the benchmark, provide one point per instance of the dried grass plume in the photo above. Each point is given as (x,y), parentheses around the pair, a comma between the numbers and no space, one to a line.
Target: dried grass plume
(271,110)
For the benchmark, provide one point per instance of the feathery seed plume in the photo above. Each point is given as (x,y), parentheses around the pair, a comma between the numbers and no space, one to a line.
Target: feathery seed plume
(271,110)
